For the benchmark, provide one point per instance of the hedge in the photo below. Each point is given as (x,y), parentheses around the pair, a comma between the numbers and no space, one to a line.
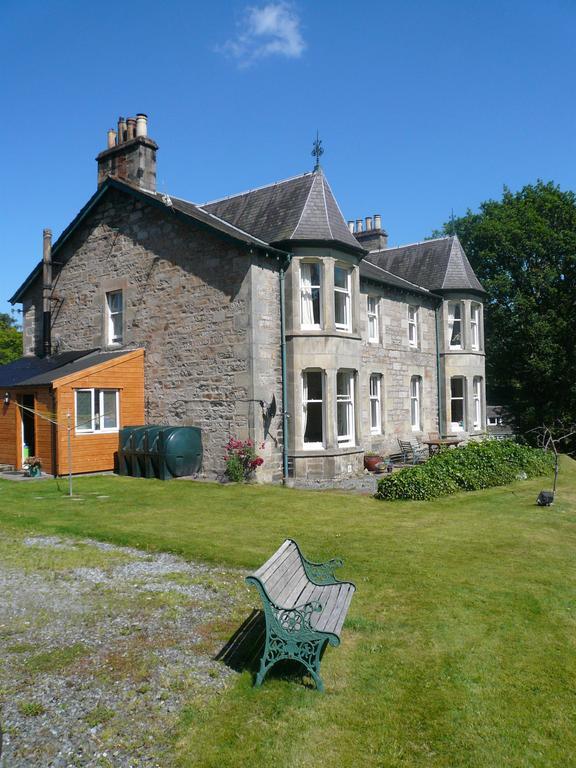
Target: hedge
(475,466)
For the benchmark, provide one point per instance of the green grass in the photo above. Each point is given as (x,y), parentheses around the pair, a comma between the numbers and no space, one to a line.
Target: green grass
(31,708)
(99,715)
(460,646)
(56,659)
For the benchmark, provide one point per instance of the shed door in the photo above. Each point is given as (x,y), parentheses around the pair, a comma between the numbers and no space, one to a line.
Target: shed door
(28,427)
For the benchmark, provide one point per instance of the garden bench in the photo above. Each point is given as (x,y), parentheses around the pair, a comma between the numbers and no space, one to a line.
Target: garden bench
(304,607)
(412,449)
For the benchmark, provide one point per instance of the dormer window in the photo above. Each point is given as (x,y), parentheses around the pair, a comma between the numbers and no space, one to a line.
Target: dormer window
(342,313)
(455,324)
(115,319)
(310,287)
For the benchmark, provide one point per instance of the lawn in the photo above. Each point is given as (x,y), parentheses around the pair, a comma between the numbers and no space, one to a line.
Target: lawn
(460,646)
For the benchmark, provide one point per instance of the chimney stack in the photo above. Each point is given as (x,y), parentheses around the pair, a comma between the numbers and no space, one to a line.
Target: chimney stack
(130,155)
(46,292)
(374,238)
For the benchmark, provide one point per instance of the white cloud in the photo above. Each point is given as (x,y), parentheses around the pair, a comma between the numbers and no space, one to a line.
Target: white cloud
(267,30)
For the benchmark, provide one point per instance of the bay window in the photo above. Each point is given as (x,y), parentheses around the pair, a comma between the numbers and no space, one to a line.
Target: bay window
(342,308)
(345,407)
(376,404)
(313,409)
(455,324)
(372,307)
(412,325)
(96,410)
(415,411)
(458,403)
(310,295)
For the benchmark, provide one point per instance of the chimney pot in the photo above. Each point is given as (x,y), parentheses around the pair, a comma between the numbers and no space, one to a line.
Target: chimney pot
(121,130)
(377,221)
(368,223)
(111,138)
(130,128)
(351,226)
(141,124)
(359,225)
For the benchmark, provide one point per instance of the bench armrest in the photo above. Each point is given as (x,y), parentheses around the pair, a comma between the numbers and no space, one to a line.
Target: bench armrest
(322,573)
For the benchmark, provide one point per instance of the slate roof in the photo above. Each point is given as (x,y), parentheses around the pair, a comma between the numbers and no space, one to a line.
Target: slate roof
(438,265)
(376,273)
(38,371)
(298,209)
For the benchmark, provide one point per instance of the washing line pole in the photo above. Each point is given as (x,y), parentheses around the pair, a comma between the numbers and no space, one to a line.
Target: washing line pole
(69,429)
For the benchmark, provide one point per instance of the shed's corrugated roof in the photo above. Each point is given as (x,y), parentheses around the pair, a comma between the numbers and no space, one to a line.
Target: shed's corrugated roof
(434,264)
(41,371)
(301,208)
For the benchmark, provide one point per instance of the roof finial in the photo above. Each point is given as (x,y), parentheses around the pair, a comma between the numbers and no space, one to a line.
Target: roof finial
(317,151)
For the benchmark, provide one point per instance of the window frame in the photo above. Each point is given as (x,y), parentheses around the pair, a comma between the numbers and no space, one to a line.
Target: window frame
(347,293)
(456,425)
(348,400)
(413,324)
(451,322)
(112,340)
(311,326)
(96,415)
(373,315)
(477,403)
(375,398)
(313,446)
(416,403)
(475,326)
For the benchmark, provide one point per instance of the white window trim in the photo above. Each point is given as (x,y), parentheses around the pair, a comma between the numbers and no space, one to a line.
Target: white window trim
(375,429)
(305,401)
(475,326)
(348,298)
(114,342)
(373,314)
(311,326)
(91,430)
(455,425)
(350,438)
(413,324)
(416,398)
(477,398)
(451,320)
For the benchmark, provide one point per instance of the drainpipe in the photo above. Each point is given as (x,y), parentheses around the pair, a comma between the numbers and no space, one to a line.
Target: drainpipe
(438,368)
(283,268)
(46,292)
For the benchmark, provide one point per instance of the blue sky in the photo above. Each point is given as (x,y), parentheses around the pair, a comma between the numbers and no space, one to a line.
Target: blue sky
(423,107)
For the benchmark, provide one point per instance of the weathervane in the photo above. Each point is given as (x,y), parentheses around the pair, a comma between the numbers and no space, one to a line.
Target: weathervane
(317,152)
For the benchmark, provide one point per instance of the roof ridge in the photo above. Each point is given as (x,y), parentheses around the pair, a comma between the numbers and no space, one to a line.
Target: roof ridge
(398,277)
(410,245)
(255,189)
(323,179)
(303,207)
(327,183)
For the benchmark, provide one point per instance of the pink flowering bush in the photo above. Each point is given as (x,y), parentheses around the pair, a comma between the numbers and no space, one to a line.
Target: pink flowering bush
(241,459)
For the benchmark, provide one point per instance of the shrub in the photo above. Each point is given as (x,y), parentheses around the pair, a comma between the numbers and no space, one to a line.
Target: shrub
(241,459)
(471,468)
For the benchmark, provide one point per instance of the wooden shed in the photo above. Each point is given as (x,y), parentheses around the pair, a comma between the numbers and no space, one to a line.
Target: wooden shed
(93,393)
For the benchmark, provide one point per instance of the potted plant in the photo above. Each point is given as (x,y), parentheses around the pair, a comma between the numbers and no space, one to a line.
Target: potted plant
(33,466)
(371,460)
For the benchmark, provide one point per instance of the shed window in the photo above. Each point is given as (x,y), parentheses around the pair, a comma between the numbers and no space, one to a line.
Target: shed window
(115,308)
(96,410)
(310,294)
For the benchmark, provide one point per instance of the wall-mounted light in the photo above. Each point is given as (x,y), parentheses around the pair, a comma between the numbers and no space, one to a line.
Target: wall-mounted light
(7,398)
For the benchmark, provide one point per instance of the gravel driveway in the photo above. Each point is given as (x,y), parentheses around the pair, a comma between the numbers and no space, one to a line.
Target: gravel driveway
(100,648)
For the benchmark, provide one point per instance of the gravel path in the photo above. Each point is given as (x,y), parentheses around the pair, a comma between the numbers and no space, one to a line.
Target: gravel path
(101,647)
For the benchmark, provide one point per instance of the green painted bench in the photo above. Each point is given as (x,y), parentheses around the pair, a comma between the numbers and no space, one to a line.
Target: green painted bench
(304,606)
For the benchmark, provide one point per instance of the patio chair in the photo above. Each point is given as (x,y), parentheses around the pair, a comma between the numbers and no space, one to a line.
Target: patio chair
(413,452)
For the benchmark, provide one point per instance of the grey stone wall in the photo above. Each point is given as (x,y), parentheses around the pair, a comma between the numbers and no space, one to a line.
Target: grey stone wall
(32,320)
(187,299)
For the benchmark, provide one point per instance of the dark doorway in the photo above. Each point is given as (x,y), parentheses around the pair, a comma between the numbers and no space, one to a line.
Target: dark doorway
(28,427)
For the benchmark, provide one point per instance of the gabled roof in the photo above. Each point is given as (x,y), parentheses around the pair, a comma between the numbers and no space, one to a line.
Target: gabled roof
(40,371)
(377,274)
(302,208)
(439,265)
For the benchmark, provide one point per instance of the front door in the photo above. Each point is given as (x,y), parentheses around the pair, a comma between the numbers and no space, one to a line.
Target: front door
(28,427)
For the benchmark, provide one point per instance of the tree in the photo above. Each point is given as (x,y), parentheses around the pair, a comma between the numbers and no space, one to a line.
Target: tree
(10,339)
(523,250)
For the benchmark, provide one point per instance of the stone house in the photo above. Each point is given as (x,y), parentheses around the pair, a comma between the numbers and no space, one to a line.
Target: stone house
(264,315)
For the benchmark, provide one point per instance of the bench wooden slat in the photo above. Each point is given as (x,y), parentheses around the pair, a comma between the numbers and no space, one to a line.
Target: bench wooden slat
(325,619)
(341,619)
(294,583)
(273,562)
(276,582)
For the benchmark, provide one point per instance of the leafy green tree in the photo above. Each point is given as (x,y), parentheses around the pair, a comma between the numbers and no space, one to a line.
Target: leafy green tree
(523,249)
(10,339)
